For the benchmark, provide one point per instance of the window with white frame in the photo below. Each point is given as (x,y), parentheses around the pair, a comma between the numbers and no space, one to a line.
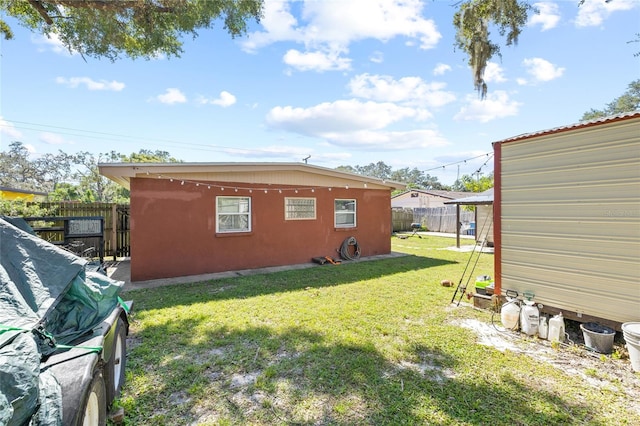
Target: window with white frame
(233,214)
(296,208)
(345,213)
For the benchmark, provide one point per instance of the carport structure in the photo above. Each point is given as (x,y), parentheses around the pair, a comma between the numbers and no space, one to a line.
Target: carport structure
(483,202)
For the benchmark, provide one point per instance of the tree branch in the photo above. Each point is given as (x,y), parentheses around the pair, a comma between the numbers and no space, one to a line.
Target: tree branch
(42,11)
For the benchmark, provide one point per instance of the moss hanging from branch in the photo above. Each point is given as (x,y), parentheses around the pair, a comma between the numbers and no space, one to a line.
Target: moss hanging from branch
(473,21)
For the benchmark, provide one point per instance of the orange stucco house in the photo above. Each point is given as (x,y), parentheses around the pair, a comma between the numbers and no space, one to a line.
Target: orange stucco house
(197,218)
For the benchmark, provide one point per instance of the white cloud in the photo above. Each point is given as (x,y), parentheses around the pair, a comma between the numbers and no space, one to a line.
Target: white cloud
(440,69)
(407,90)
(548,16)
(338,116)
(91,84)
(331,26)
(496,105)
(52,138)
(387,140)
(541,70)
(377,57)
(172,96)
(225,99)
(52,43)
(8,129)
(592,13)
(356,124)
(316,61)
(494,73)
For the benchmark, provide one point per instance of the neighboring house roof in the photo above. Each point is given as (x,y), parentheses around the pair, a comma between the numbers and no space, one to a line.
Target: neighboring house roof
(485,197)
(433,192)
(583,124)
(22,194)
(22,191)
(286,174)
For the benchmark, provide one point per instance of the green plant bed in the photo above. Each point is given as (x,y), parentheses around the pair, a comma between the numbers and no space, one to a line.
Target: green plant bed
(374,342)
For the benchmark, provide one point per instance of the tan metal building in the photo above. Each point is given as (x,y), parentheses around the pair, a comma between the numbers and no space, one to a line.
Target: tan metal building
(567,218)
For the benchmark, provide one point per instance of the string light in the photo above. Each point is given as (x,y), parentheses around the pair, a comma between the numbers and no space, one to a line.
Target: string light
(250,190)
(461,162)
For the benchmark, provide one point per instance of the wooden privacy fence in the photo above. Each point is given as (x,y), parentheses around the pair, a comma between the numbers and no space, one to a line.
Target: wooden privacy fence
(434,219)
(116,222)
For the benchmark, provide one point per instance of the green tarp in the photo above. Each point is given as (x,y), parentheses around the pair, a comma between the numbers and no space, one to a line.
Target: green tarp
(47,297)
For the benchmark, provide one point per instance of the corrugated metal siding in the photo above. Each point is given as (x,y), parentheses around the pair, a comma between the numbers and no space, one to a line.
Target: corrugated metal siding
(570,219)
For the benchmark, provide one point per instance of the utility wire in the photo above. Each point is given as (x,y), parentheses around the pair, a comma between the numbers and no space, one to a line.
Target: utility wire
(110,136)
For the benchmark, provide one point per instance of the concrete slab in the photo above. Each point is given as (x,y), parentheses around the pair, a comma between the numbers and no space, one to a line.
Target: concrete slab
(121,270)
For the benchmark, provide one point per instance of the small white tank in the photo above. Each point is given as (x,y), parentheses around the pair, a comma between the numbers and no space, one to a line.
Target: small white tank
(510,314)
(529,318)
(556,328)
(543,328)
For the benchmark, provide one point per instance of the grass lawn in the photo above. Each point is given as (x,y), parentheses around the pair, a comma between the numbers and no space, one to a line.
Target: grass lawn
(362,343)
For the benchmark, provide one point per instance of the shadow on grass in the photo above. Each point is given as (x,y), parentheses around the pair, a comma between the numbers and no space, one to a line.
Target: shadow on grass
(256,376)
(278,282)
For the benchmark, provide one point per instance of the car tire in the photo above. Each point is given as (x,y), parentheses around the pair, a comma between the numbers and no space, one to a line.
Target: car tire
(114,370)
(94,403)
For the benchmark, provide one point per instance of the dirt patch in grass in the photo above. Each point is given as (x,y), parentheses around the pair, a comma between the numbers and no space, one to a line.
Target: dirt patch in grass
(599,371)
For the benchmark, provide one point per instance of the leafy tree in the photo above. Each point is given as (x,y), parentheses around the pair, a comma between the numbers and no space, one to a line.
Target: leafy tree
(472,22)
(628,102)
(65,191)
(133,28)
(148,156)
(476,184)
(95,187)
(414,178)
(17,170)
(22,208)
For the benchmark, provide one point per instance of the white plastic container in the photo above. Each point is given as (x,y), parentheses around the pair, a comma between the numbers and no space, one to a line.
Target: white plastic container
(556,328)
(631,332)
(543,328)
(510,314)
(529,318)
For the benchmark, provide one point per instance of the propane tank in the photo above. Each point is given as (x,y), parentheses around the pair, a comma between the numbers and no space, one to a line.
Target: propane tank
(510,313)
(543,328)
(529,318)
(556,328)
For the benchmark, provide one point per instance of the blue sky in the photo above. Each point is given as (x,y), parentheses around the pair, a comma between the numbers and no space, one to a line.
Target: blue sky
(346,82)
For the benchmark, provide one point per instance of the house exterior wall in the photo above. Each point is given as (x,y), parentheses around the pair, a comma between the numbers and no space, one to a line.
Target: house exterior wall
(421,201)
(173,227)
(568,219)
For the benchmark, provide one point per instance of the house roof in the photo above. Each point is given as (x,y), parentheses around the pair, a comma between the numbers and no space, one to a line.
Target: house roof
(583,124)
(481,198)
(434,192)
(22,191)
(292,174)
